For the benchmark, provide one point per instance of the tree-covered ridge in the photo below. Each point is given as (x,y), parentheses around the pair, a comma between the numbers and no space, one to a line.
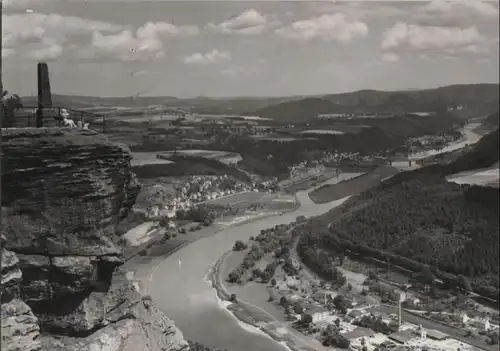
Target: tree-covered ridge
(450,226)
(420,222)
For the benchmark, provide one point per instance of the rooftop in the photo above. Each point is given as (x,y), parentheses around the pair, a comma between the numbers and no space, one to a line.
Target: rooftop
(358,333)
(436,334)
(401,336)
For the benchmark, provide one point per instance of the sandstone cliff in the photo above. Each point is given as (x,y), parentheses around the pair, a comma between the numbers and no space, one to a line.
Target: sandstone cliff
(63,193)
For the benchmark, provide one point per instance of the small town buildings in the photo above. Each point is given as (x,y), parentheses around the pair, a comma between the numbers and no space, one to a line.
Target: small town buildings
(319,314)
(351,315)
(402,337)
(358,333)
(436,335)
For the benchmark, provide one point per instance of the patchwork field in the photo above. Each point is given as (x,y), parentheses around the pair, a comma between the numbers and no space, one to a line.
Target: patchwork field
(331,192)
(221,156)
(147,158)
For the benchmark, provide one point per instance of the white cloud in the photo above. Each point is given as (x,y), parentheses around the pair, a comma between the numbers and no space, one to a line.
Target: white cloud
(390,57)
(47,37)
(43,36)
(33,27)
(355,9)
(212,57)
(333,27)
(456,12)
(250,22)
(411,37)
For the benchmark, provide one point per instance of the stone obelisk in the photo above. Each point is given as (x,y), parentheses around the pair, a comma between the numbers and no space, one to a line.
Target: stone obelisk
(44,95)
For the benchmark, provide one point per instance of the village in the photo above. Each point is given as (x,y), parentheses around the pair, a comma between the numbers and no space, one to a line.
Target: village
(361,309)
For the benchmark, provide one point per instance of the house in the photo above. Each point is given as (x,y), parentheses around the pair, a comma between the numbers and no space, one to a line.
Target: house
(402,337)
(352,315)
(479,323)
(318,314)
(358,333)
(436,335)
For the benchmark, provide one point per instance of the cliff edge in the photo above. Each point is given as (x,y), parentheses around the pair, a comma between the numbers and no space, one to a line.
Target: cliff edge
(63,193)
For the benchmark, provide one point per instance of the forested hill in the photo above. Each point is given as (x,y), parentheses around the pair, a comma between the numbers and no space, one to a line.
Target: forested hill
(421,220)
(473,100)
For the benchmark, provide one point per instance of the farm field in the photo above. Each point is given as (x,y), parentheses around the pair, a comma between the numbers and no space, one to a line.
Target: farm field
(147,158)
(221,156)
(323,131)
(331,192)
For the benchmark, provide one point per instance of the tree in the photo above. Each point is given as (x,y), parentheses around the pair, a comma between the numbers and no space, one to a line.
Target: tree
(464,283)
(341,303)
(10,104)
(297,308)
(239,246)
(306,318)
(232,298)
(283,301)
(425,276)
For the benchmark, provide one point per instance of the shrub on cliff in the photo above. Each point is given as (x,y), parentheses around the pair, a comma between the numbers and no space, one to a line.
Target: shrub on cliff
(10,104)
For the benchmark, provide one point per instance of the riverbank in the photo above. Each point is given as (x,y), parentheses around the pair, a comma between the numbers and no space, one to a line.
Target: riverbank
(250,315)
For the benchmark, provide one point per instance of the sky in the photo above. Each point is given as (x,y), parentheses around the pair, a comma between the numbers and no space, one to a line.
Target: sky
(235,48)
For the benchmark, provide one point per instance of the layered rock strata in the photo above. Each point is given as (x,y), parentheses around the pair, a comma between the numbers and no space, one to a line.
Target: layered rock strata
(63,193)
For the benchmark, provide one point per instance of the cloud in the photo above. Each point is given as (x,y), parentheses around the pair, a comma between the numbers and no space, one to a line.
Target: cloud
(456,12)
(49,36)
(390,57)
(411,37)
(43,36)
(332,27)
(33,27)
(144,44)
(250,22)
(212,57)
(355,9)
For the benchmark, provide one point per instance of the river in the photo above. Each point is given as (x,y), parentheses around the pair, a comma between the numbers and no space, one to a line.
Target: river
(184,294)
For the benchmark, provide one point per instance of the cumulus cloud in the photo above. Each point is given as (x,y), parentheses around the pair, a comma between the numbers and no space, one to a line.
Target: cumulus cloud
(411,37)
(456,12)
(329,27)
(37,34)
(143,44)
(355,9)
(212,57)
(49,36)
(250,22)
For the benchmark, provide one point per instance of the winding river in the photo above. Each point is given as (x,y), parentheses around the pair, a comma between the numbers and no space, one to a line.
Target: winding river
(184,294)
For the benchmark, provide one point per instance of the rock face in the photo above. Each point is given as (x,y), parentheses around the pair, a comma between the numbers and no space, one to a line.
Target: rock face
(63,193)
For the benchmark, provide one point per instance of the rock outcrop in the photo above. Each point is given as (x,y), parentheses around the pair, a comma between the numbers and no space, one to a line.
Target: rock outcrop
(63,193)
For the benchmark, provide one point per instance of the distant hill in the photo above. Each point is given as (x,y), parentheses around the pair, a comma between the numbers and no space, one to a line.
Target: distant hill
(301,110)
(418,219)
(471,100)
(201,105)
(477,98)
